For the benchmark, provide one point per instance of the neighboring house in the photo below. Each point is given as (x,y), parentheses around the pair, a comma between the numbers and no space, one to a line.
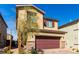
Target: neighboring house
(10,42)
(9,39)
(3,32)
(49,36)
(72,35)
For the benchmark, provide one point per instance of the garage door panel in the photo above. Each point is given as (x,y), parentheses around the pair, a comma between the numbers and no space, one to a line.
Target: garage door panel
(47,43)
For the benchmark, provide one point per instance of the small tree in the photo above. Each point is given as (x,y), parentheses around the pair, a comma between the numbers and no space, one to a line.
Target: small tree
(25,26)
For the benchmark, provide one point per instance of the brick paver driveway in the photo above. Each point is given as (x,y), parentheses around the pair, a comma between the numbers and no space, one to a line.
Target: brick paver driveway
(58,51)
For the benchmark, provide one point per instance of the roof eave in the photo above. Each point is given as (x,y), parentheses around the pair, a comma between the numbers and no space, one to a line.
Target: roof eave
(68,24)
(32,6)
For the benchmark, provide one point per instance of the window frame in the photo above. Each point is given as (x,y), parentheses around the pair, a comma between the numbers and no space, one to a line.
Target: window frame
(48,25)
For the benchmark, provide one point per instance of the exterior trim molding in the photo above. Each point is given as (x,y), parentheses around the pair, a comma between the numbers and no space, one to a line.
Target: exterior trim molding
(48,31)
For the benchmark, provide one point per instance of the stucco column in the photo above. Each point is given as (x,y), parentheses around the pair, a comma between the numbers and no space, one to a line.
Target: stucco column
(30,41)
(62,42)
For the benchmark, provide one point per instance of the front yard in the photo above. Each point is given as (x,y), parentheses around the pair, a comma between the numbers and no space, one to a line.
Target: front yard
(45,51)
(51,51)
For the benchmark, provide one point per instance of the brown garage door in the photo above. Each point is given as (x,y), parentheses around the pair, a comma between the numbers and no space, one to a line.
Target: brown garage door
(45,42)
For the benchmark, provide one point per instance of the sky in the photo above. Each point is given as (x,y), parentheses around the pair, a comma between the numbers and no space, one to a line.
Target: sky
(63,13)
(8,12)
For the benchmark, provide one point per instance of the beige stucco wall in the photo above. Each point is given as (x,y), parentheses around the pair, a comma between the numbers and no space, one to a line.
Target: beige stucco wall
(39,17)
(31,38)
(22,15)
(72,37)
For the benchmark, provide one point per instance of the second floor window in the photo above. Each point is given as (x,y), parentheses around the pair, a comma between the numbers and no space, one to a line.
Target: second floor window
(49,24)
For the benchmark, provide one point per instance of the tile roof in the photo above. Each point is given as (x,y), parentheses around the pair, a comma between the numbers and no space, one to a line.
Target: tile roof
(70,23)
(24,5)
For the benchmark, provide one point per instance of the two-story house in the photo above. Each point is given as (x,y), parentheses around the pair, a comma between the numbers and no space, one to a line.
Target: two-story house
(3,32)
(49,36)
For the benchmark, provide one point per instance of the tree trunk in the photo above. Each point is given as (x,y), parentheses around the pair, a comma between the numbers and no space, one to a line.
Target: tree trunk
(19,42)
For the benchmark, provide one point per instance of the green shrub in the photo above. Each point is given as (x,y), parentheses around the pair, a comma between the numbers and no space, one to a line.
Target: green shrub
(22,52)
(73,49)
(1,52)
(7,51)
(77,50)
(33,51)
